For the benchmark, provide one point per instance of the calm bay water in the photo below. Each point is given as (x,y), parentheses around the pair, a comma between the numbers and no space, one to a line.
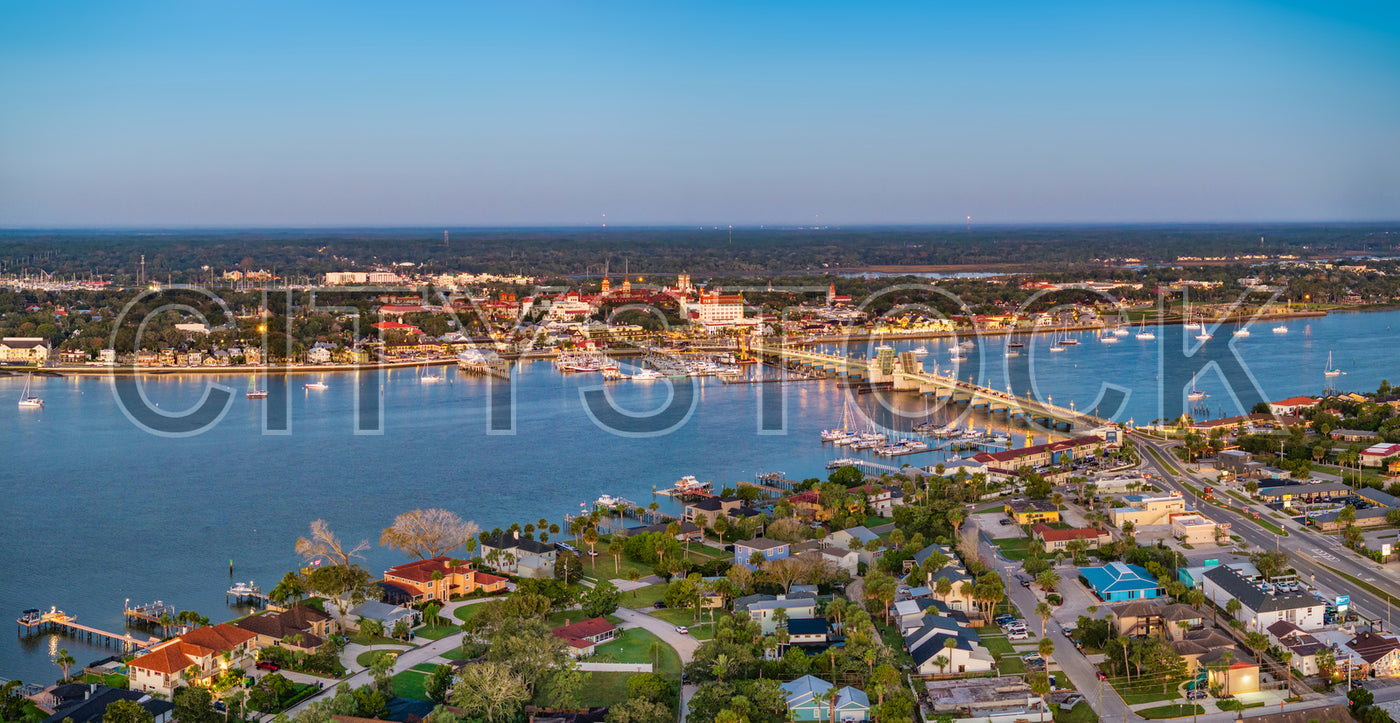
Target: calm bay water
(100,511)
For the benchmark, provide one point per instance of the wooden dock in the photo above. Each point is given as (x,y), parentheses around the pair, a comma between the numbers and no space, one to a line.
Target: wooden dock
(148,613)
(246,592)
(56,620)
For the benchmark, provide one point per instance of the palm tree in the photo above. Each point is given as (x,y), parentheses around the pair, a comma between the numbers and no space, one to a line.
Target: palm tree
(721,666)
(64,661)
(1048,580)
(1043,611)
(617,544)
(1122,641)
(590,537)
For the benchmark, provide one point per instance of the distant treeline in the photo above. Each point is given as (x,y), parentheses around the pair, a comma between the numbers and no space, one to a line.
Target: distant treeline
(183,255)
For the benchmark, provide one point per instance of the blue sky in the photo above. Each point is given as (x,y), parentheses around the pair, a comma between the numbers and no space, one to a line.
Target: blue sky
(578,113)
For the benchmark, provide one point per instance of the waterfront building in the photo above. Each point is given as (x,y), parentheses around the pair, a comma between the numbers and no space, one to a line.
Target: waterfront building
(516,555)
(1291,406)
(24,350)
(84,703)
(192,658)
(301,628)
(440,578)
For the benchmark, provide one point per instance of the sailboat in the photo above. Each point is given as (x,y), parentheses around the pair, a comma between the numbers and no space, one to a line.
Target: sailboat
(1204,335)
(253,391)
(1331,371)
(847,423)
(318,384)
(1242,331)
(1057,344)
(1143,333)
(26,401)
(1281,329)
(1194,395)
(427,378)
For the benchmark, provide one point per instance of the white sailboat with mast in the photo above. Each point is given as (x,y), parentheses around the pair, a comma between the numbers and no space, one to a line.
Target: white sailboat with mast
(27,401)
(1331,371)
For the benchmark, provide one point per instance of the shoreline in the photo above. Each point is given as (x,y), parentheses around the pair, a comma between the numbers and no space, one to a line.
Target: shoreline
(862,336)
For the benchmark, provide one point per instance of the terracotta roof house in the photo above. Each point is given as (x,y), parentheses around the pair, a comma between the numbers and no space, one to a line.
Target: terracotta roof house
(301,628)
(163,669)
(1059,539)
(585,635)
(439,578)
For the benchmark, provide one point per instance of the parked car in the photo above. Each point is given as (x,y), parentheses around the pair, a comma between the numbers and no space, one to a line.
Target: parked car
(1005,521)
(1196,694)
(682,630)
(1067,629)
(1019,635)
(1026,584)
(1003,618)
(268,665)
(658,605)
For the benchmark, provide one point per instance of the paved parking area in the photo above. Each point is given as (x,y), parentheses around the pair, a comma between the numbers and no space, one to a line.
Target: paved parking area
(990,523)
(1077,600)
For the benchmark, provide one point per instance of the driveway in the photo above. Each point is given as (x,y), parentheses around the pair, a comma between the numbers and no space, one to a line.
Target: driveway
(684,644)
(406,660)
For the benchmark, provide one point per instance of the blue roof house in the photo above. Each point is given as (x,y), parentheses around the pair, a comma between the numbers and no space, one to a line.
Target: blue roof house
(1118,582)
(805,701)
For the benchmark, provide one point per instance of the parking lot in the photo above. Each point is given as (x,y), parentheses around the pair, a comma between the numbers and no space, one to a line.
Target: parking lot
(990,523)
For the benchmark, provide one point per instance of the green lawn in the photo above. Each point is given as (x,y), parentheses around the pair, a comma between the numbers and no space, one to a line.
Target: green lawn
(364,659)
(411,683)
(436,632)
(997,644)
(643,598)
(604,689)
(1080,713)
(111,680)
(362,639)
(1170,711)
(1015,548)
(635,646)
(466,612)
(682,616)
(1135,692)
(1011,665)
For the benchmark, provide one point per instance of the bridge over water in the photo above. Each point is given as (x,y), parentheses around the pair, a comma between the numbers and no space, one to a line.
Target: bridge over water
(904,372)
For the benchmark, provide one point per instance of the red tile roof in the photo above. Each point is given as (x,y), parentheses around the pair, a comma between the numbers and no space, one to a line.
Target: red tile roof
(486,578)
(1012,455)
(219,637)
(422,570)
(169,659)
(583,629)
(1296,402)
(1050,534)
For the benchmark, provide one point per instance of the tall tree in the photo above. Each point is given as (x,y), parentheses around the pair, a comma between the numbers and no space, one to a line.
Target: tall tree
(324,543)
(429,533)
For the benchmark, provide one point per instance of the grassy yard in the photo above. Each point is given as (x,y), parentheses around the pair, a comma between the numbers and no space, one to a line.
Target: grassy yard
(111,680)
(642,598)
(1016,548)
(466,612)
(1011,665)
(1080,713)
(436,632)
(411,682)
(1136,692)
(604,689)
(362,639)
(997,644)
(364,659)
(635,646)
(1170,711)
(683,616)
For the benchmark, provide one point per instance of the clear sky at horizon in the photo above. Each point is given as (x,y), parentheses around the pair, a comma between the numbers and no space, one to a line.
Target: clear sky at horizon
(631,113)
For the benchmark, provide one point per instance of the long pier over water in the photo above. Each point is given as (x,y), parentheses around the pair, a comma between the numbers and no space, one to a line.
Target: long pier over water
(903,372)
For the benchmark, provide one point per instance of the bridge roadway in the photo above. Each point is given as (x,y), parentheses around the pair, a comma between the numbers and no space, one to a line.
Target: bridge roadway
(943,388)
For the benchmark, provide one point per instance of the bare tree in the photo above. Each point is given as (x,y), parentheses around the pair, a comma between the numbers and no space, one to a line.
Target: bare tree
(428,533)
(323,542)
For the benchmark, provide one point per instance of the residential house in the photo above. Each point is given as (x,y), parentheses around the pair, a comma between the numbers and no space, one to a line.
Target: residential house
(440,578)
(584,636)
(1147,509)
(1197,647)
(1261,605)
(88,703)
(807,505)
(765,611)
(807,701)
(191,658)
(1291,406)
(712,508)
(1057,540)
(1141,618)
(388,615)
(1029,512)
(807,631)
(768,549)
(1378,454)
(516,555)
(929,646)
(1353,435)
(1121,582)
(844,538)
(1301,644)
(689,531)
(301,628)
